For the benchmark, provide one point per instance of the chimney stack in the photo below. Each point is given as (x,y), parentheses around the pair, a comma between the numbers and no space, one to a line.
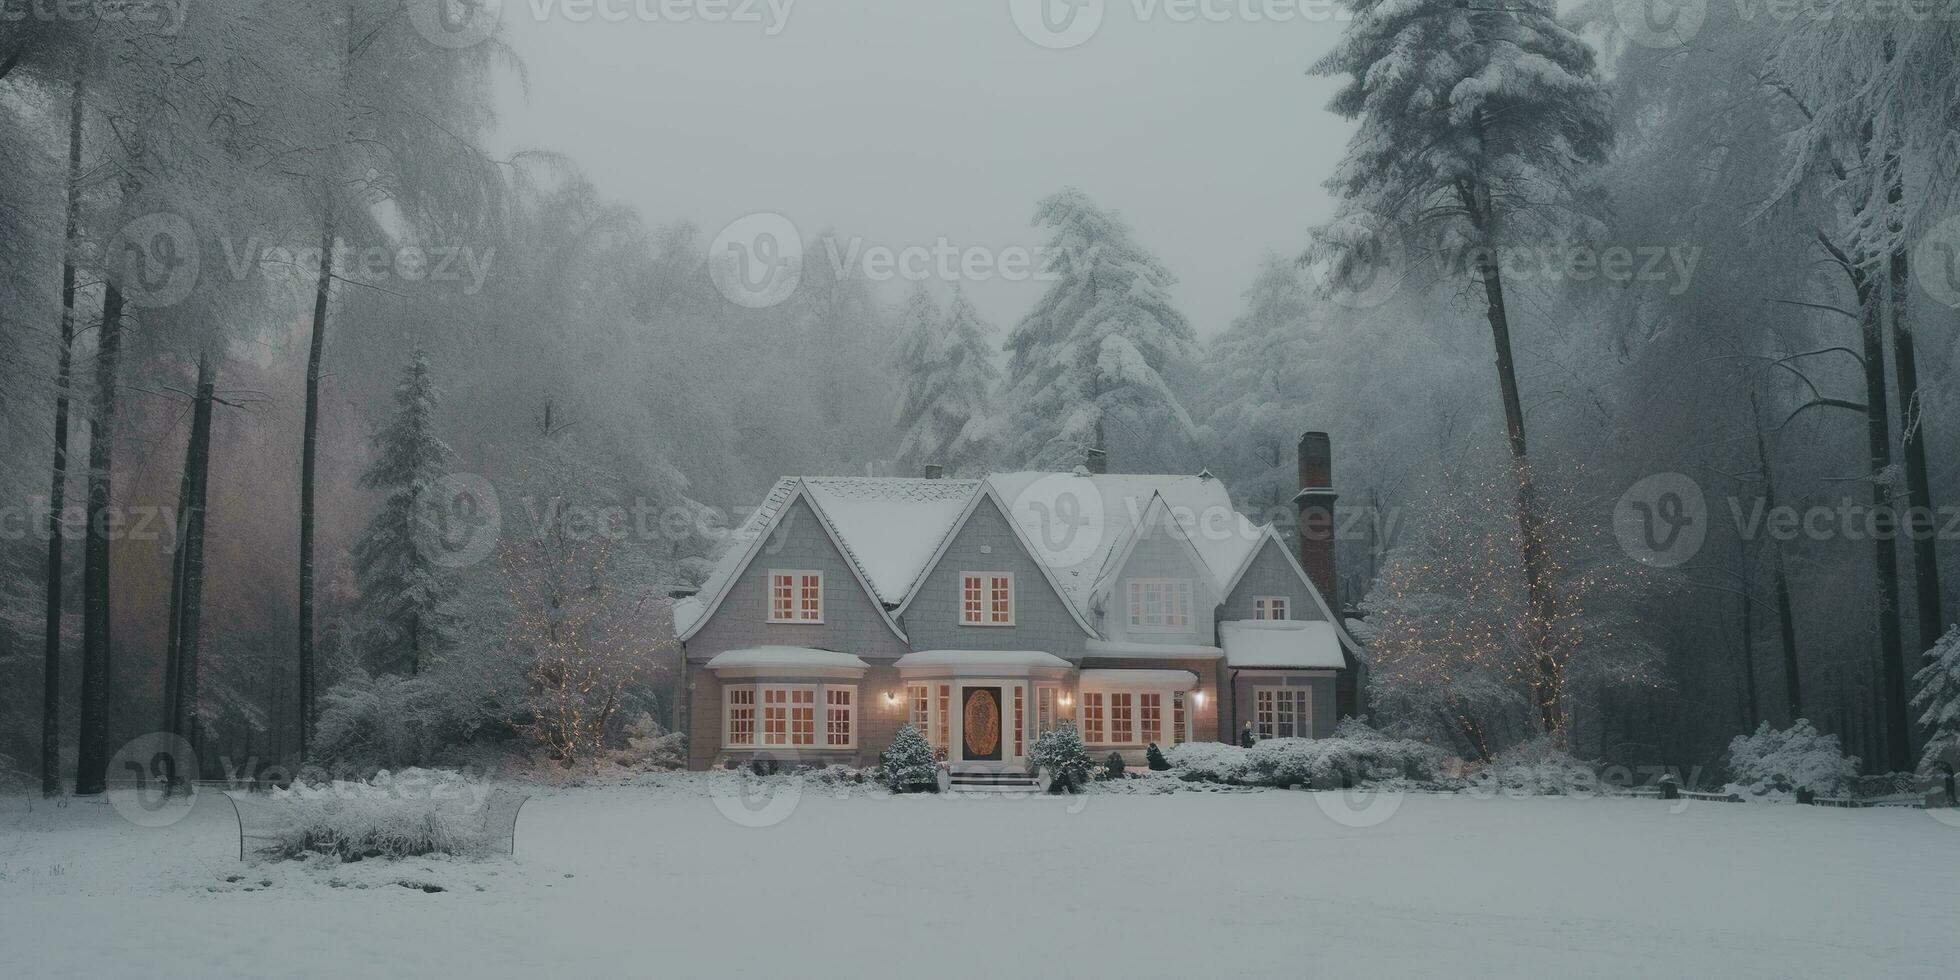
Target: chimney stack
(1096,461)
(1316,503)
(934,471)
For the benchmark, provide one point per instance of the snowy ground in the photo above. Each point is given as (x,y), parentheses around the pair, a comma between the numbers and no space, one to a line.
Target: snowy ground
(657,880)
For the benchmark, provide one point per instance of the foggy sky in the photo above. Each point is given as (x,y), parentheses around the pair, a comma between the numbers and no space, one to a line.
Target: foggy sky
(909,121)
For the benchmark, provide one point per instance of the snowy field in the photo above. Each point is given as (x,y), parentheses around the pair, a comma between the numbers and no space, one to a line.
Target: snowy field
(656,880)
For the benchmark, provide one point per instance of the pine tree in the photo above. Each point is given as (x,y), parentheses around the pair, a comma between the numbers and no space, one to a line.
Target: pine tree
(1476,125)
(1938,699)
(404,591)
(948,374)
(1059,752)
(1258,387)
(1155,757)
(1100,355)
(907,765)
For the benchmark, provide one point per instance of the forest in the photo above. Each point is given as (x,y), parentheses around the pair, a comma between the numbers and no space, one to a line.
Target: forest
(1637,351)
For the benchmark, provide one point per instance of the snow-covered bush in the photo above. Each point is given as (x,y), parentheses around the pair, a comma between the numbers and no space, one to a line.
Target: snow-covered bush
(1155,757)
(1939,702)
(1209,762)
(1538,767)
(907,765)
(1113,765)
(1774,763)
(368,722)
(1060,752)
(651,746)
(393,815)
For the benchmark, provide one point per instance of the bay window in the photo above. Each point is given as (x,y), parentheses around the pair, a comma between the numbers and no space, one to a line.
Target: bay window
(764,715)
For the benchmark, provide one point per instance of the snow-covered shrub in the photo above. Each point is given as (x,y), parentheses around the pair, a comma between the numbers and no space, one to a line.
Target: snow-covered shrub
(907,765)
(1155,757)
(650,746)
(1113,765)
(1939,702)
(1538,767)
(368,722)
(1209,762)
(1060,752)
(1774,763)
(393,815)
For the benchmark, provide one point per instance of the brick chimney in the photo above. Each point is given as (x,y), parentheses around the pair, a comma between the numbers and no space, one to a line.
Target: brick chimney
(934,471)
(1316,503)
(1096,461)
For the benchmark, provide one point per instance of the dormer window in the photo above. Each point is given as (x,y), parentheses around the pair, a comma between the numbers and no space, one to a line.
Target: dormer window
(795,596)
(1160,604)
(1270,607)
(986,598)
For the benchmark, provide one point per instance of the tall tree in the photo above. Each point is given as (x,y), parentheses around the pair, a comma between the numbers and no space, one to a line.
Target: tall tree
(946,375)
(58,489)
(1259,388)
(1477,124)
(405,593)
(1102,356)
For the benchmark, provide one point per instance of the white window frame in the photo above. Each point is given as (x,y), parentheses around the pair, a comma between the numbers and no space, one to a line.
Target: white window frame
(1047,708)
(798,595)
(1264,607)
(986,610)
(1170,591)
(1298,705)
(1104,700)
(819,703)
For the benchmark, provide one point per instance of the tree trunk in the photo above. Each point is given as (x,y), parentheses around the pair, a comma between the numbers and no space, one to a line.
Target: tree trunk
(1885,551)
(1780,580)
(92,757)
(1751,708)
(1921,524)
(1530,528)
(58,491)
(309,462)
(187,578)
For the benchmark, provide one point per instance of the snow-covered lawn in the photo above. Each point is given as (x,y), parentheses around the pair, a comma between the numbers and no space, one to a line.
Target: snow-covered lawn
(654,880)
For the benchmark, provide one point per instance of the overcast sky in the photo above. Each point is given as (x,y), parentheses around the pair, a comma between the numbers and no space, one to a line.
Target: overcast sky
(911,121)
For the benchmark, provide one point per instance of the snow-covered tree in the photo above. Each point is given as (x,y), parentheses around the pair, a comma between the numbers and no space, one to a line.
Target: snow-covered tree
(1060,753)
(404,590)
(1477,124)
(1938,700)
(1777,763)
(1258,390)
(907,765)
(1099,362)
(947,373)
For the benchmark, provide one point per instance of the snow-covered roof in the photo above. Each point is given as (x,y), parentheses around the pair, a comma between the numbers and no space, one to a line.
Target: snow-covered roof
(1281,643)
(1079,523)
(1175,680)
(982,658)
(1134,648)
(890,527)
(785,658)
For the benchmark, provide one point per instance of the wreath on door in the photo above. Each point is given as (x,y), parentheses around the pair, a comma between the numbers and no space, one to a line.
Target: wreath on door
(982,726)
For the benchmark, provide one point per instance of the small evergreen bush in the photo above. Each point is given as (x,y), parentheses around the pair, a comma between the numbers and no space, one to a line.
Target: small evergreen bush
(1059,752)
(1155,756)
(907,765)
(1246,740)
(1113,765)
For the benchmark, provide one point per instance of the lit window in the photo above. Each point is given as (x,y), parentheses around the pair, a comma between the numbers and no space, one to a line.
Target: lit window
(775,716)
(795,597)
(920,697)
(1282,712)
(741,716)
(986,598)
(1270,607)
(1179,731)
(940,726)
(1092,717)
(802,716)
(1160,604)
(837,716)
(1020,717)
(1046,718)
(1120,716)
(1150,717)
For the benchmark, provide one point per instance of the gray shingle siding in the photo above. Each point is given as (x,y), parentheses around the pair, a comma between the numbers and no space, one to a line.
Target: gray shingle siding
(851,623)
(1159,554)
(1270,574)
(1041,621)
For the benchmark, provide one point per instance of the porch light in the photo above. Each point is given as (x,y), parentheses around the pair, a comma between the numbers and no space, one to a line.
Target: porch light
(891,699)
(1067,699)
(1198,698)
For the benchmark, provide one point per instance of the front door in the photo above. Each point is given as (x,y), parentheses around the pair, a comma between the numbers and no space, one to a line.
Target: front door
(980,724)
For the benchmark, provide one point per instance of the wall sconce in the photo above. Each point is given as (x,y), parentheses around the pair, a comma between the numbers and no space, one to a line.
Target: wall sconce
(891,699)
(1067,699)
(1198,698)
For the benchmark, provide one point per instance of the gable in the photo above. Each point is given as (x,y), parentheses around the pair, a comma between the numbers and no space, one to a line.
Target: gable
(988,542)
(1270,574)
(796,539)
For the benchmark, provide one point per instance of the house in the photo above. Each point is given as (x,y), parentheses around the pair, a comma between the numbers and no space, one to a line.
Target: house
(1140,608)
